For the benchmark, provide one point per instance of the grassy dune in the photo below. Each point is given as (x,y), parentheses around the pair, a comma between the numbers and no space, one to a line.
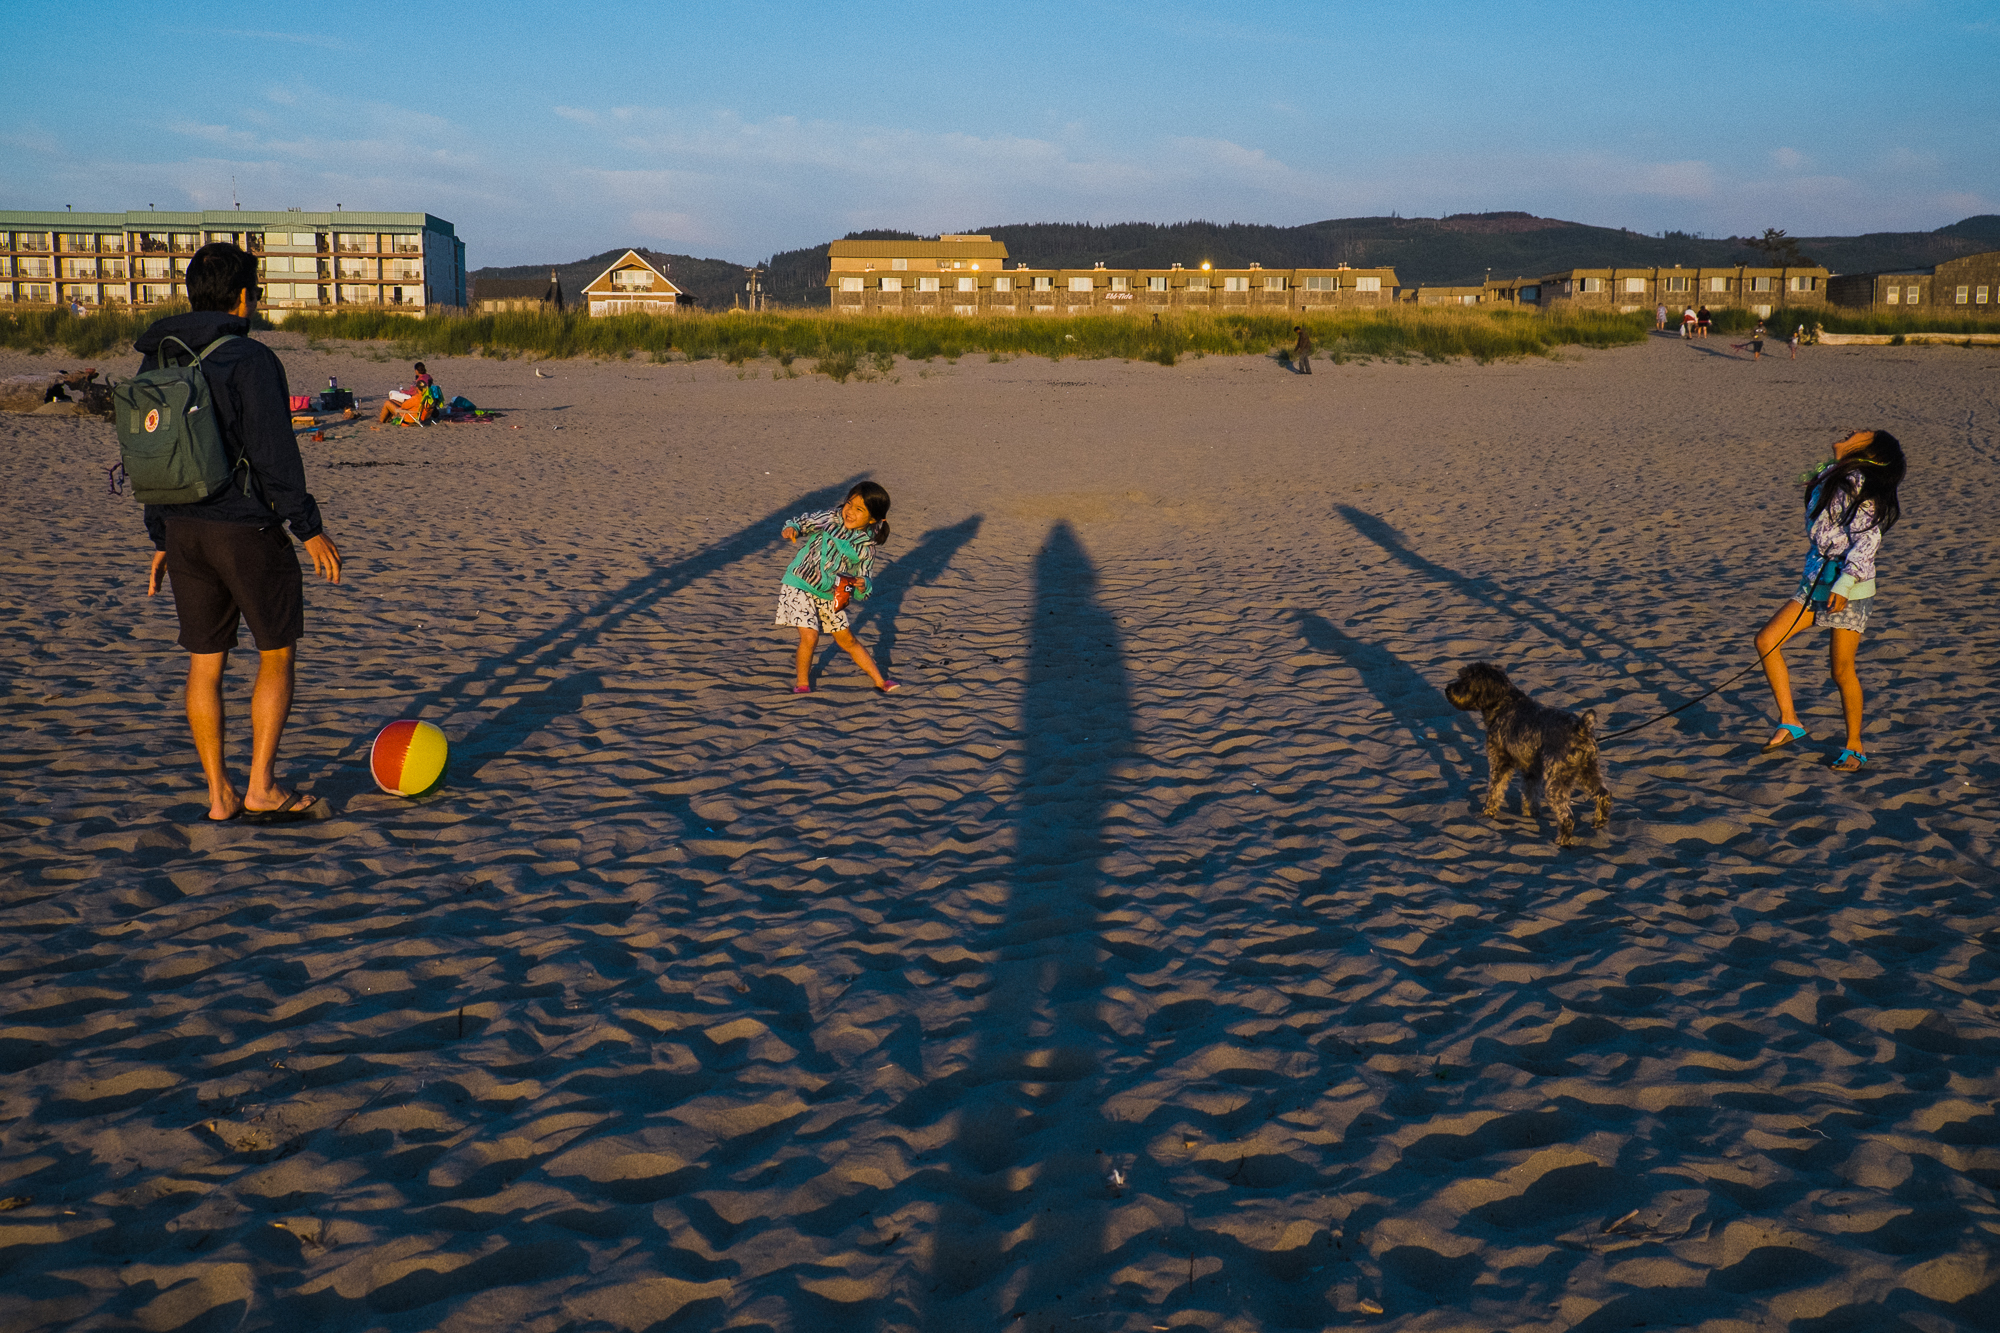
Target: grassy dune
(839,344)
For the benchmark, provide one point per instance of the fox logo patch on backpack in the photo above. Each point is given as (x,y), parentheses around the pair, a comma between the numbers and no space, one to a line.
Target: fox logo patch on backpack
(168,437)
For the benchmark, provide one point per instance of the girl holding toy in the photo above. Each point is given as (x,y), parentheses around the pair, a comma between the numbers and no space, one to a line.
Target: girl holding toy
(835,564)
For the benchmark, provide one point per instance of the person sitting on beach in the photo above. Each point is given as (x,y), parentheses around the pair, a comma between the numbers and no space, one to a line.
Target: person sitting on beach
(1850,503)
(227,557)
(415,406)
(836,564)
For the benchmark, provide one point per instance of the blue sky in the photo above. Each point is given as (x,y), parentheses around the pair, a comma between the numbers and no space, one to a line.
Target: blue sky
(549,132)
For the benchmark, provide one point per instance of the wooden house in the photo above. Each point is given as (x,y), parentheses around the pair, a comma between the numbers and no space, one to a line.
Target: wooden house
(492,296)
(632,286)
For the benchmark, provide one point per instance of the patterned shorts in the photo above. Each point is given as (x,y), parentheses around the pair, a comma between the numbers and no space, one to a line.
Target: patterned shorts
(1854,617)
(799,609)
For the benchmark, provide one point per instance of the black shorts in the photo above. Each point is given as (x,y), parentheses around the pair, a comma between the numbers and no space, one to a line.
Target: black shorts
(223,572)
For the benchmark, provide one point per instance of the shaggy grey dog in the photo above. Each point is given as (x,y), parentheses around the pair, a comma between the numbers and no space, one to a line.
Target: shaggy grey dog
(1549,746)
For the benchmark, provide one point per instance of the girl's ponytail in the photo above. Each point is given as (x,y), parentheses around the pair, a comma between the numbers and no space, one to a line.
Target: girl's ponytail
(877,500)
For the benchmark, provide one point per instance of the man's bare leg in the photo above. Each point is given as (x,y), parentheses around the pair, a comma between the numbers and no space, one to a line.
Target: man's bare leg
(270,706)
(205,716)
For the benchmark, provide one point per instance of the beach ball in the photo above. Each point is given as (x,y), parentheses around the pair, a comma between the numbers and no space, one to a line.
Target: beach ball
(408,757)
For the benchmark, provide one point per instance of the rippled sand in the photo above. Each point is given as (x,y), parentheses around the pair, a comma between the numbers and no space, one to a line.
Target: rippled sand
(1143,964)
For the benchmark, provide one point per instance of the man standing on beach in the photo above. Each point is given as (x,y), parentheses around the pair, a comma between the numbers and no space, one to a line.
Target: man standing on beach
(227,557)
(1302,353)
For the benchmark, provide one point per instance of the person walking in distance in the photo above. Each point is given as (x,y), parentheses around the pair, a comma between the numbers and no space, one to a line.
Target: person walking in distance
(1660,318)
(227,558)
(1303,351)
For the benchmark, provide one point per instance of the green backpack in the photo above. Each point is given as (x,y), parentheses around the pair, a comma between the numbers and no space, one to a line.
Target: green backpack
(168,438)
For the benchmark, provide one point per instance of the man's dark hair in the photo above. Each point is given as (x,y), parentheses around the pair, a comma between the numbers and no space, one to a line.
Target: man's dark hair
(218,274)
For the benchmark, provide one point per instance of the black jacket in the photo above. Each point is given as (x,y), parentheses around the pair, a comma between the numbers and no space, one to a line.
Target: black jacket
(253,410)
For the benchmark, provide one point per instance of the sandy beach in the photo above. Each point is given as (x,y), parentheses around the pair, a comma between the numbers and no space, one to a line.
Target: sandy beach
(1143,964)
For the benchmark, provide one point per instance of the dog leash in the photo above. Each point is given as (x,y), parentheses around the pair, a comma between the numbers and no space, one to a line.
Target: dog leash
(1627,731)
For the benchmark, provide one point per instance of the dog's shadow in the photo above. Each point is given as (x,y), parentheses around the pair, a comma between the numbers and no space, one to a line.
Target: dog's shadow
(1418,705)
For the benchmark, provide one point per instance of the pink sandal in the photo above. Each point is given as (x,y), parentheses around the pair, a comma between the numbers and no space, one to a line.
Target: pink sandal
(802,689)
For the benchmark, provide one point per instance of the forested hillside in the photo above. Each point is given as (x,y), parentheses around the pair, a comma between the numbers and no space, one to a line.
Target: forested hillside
(1463,248)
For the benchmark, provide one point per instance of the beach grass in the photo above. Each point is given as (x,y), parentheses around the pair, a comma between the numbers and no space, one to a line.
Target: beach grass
(845,345)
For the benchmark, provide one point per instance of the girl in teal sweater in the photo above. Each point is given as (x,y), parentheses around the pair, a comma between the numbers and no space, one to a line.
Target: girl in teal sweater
(836,564)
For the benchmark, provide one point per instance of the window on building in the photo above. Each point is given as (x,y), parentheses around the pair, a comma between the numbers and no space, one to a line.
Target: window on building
(1198,283)
(1003,284)
(1081,284)
(1045,284)
(892,285)
(968,284)
(152,268)
(31,240)
(850,284)
(1322,282)
(622,280)
(77,243)
(1368,285)
(1979,295)
(406,244)
(1764,284)
(1718,284)
(398,269)
(357,268)
(1121,284)
(927,284)
(1592,284)
(1804,284)
(1635,286)
(186,242)
(1274,282)
(899,265)
(1964,295)
(37,292)
(1893,295)
(1236,284)
(275,264)
(1912,294)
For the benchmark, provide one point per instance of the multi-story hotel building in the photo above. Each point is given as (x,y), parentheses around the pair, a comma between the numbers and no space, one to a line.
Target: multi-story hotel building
(968,275)
(1740,286)
(409,262)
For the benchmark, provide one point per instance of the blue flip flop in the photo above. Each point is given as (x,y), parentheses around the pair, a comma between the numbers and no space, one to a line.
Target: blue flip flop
(1860,761)
(1793,732)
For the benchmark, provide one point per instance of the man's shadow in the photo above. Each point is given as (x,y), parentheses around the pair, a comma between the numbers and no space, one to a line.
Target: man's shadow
(1028,1104)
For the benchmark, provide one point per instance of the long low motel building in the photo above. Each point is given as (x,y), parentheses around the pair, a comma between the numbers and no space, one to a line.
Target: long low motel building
(408,262)
(968,275)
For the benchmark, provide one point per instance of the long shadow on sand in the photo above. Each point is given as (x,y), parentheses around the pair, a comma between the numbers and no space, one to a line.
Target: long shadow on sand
(1417,705)
(934,551)
(1510,603)
(531,710)
(1029,1103)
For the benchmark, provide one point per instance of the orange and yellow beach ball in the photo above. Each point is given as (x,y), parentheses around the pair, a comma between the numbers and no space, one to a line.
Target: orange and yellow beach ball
(408,757)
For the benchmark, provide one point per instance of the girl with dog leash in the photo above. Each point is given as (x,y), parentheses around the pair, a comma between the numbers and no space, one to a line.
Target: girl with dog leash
(835,565)
(1850,503)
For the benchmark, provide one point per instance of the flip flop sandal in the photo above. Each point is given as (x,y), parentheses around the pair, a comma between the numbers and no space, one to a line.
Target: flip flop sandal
(297,808)
(1793,732)
(888,687)
(802,689)
(1840,765)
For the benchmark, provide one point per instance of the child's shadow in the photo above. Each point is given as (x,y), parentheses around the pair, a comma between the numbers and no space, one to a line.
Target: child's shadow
(925,561)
